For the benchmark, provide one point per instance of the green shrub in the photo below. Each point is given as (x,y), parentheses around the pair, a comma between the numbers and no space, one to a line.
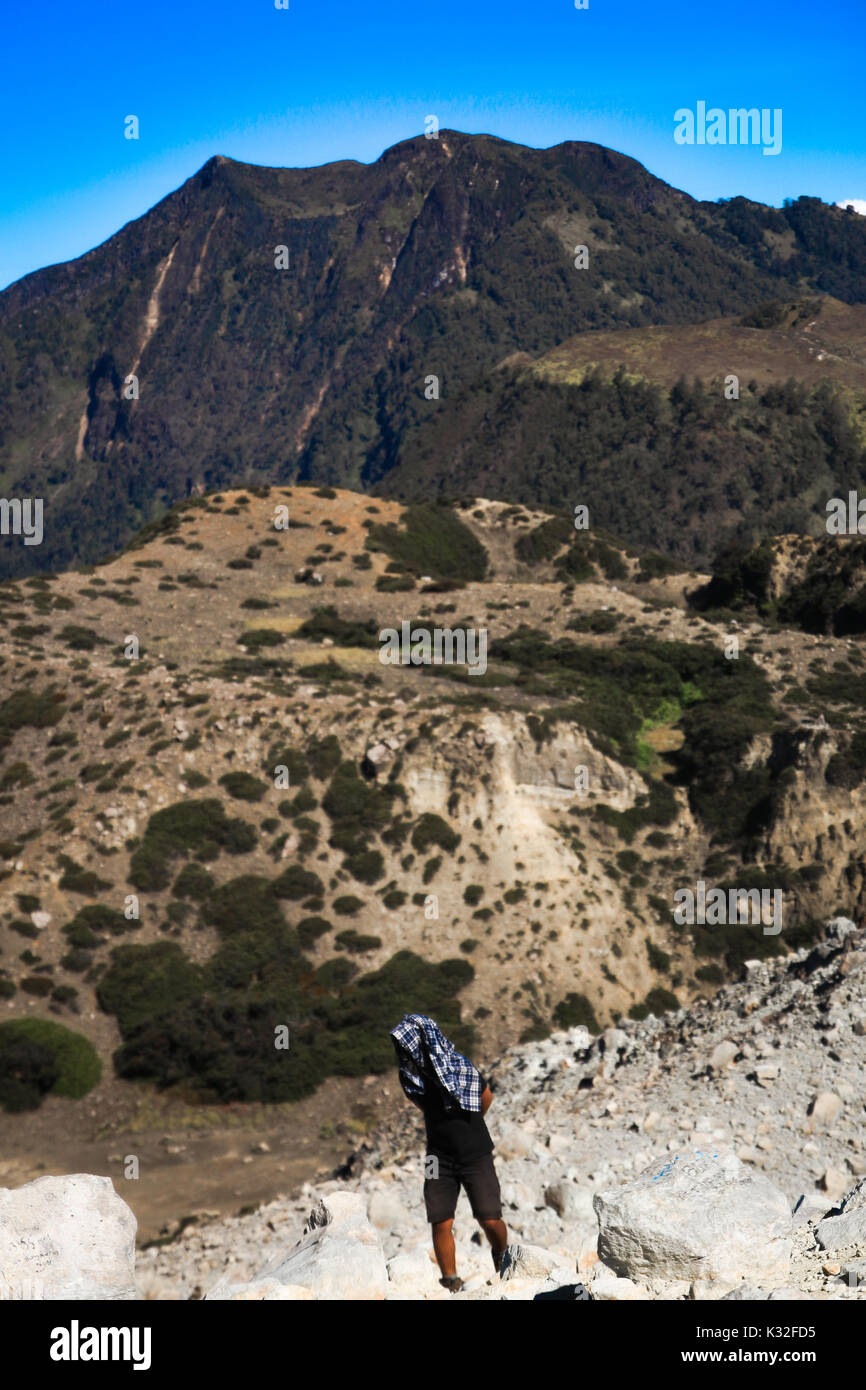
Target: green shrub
(710,974)
(37,709)
(335,974)
(222,1044)
(77,960)
(326,624)
(598,622)
(243,786)
(80,639)
(430,539)
(199,826)
(658,959)
(347,905)
(575,1011)
(356,942)
(95,918)
(612,564)
(281,755)
(658,1001)
(431,829)
(653,566)
(246,903)
(296,882)
(260,637)
(76,1064)
(358,809)
(309,930)
(28,1072)
(194,882)
(144,982)
(17,774)
(544,542)
(394,583)
(431,869)
(657,806)
(76,879)
(64,994)
(21,927)
(324,756)
(365,865)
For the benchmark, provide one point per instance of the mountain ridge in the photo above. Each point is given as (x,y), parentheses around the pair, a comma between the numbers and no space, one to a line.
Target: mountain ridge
(438,260)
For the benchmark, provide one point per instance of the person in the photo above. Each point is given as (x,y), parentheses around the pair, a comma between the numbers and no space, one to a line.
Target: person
(454,1097)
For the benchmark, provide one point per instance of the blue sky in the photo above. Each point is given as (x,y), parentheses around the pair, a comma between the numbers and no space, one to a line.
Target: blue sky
(336,79)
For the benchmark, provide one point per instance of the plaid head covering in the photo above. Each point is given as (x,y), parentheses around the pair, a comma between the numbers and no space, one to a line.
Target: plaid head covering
(434,1058)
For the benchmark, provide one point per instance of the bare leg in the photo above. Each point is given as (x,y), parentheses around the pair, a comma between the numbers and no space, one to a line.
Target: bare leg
(497,1233)
(443,1247)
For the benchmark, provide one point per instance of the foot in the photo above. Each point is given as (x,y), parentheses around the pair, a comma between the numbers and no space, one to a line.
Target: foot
(452,1282)
(497,1259)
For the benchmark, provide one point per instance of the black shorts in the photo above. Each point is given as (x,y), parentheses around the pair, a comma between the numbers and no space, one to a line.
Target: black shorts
(477,1176)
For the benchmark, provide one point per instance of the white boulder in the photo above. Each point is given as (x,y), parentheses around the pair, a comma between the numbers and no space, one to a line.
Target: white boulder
(67,1238)
(704,1216)
(339,1257)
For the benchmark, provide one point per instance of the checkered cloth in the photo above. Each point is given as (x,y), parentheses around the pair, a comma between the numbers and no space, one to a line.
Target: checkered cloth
(434,1057)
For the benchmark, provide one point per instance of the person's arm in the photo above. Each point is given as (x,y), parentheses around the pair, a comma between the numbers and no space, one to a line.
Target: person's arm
(486,1099)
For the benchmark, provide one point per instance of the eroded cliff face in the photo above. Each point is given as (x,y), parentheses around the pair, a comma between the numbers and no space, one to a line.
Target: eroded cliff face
(819,825)
(548,917)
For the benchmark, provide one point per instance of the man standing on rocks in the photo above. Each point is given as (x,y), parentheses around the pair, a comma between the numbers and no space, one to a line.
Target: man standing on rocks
(454,1097)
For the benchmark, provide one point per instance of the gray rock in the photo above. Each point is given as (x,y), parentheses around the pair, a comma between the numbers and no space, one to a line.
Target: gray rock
(838,928)
(609,1289)
(704,1216)
(825,1108)
(378,755)
(67,1237)
(846,1225)
(560,1197)
(853,1273)
(834,1182)
(810,1207)
(746,1293)
(723,1055)
(530,1262)
(340,1257)
(387,1211)
(709,1290)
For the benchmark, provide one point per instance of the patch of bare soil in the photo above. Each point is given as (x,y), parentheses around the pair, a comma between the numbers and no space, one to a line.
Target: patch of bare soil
(192,1159)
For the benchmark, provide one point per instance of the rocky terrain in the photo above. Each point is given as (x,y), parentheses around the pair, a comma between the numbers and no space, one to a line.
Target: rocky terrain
(715,1153)
(765,1082)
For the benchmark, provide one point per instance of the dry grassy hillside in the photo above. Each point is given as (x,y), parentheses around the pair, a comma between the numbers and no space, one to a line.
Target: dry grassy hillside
(428,811)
